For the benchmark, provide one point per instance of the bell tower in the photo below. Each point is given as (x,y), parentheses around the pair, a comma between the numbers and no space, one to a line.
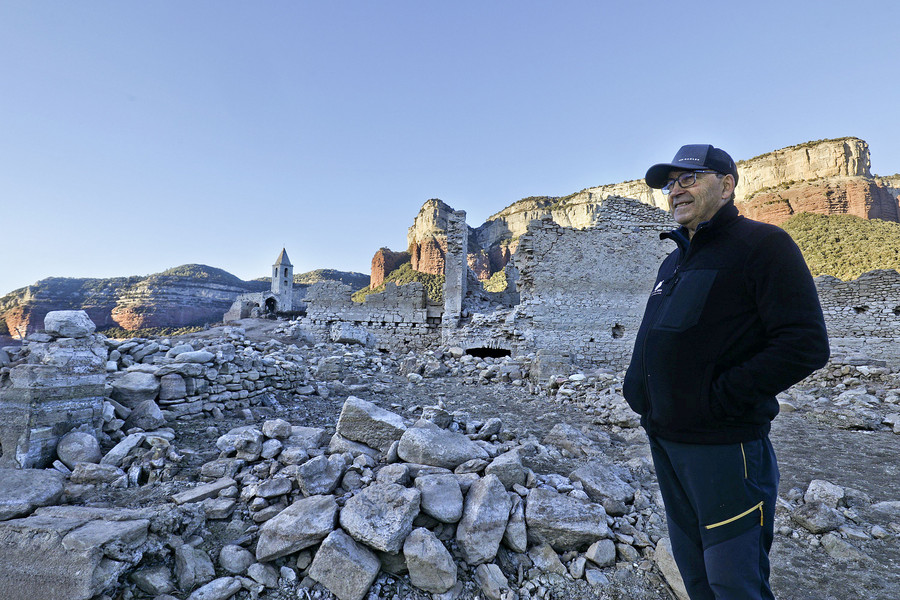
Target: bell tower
(283,281)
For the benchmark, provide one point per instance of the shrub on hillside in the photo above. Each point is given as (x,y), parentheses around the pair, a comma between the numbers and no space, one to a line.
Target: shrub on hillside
(434,284)
(845,246)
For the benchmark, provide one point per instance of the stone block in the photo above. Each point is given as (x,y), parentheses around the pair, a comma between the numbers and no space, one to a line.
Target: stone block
(345,568)
(23,490)
(301,525)
(73,557)
(367,423)
(381,515)
(563,522)
(69,323)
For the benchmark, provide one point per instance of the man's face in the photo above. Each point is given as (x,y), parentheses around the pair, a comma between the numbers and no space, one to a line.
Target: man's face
(700,202)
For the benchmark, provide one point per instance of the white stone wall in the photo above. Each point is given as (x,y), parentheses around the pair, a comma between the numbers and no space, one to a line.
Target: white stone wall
(400,318)
(864,313)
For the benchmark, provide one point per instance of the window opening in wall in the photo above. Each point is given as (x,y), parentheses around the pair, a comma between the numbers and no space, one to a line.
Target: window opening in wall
(488,352)
(897,310)
(860,309)
(285,271)
(617,331)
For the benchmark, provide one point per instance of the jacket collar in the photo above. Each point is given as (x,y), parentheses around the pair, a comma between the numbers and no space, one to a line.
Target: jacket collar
(723,216)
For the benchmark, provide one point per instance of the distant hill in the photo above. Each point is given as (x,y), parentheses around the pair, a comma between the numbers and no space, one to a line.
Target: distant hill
(356,281)
(183,296)
(845,246)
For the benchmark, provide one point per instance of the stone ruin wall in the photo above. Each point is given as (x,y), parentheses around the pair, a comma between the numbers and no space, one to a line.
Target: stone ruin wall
(863,314)
(583,291)
(64,382)
(400,318)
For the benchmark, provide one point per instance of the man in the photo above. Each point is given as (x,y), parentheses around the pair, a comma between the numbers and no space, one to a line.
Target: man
(732,320)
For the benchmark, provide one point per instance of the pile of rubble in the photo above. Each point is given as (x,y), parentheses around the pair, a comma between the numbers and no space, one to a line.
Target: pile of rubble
(419,501)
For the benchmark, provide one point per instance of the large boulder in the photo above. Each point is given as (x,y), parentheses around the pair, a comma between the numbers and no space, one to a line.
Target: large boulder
(666,563)
(193,567)
(601,482)
(147,416)
(438,447)
(564,522)
(321,475)
(346,568)
(301,525)
(345,333)
(69,323)
(431,566)
(23,490)
(364,422)
(69,553)
(76,447)
(484,519)
(243,442)
(442,497)
(135,387)
(381,515)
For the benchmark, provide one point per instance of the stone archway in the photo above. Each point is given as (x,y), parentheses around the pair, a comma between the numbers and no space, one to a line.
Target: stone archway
(271,305)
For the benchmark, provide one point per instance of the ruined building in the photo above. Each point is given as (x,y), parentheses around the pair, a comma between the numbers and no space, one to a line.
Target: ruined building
(281,298)
(575,296)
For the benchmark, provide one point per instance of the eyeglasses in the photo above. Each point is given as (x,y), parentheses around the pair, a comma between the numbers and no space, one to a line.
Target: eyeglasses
(685,180)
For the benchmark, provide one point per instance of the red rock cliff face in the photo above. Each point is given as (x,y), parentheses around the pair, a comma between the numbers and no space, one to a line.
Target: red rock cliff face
(427,255)
(385,261)
(858,196)
(480,263)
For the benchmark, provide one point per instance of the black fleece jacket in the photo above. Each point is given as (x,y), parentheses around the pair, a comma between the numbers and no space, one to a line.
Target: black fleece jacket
(734,319)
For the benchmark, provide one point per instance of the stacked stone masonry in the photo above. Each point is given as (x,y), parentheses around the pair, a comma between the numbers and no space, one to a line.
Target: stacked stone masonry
(400,318)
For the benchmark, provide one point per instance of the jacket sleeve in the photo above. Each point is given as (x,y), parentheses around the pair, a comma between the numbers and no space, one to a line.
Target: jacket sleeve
(791,317)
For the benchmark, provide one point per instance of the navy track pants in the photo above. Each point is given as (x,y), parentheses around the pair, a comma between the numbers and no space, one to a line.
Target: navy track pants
(720,508)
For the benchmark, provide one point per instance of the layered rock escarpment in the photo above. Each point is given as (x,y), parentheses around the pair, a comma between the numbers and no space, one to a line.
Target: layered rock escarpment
(846,157)
(427,237)
(185,296)
(427,247)
(858,196)
(385,261)
(830,177)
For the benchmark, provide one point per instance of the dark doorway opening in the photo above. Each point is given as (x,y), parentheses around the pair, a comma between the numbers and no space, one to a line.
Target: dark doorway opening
(488,352)
(271,305)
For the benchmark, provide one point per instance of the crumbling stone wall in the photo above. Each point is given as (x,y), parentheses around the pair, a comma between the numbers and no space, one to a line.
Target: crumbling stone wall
(864,309)
(456,267)
(583,291)
(58,385)
(400,318)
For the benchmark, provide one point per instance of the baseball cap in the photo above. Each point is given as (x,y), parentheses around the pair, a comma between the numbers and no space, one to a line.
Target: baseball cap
(692,158)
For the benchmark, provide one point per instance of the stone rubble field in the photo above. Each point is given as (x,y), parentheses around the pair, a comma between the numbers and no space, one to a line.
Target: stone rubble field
(250,462)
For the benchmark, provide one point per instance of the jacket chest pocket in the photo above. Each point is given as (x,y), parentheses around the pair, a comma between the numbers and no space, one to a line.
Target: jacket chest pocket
(684,299)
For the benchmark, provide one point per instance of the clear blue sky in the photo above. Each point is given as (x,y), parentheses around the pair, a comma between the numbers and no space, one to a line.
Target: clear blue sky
(138,136)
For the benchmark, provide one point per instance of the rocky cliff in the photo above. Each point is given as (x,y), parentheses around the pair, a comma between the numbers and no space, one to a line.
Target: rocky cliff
(383,263)
(184,296)
(845,157)
(858,196)
(826,176)
(427,239)
(829,177)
